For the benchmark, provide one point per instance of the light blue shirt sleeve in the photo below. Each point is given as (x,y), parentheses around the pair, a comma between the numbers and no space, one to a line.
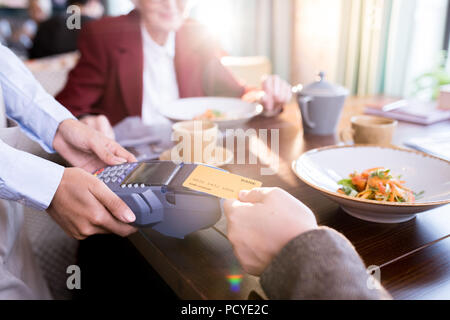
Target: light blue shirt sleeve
(27,103)
(28,179)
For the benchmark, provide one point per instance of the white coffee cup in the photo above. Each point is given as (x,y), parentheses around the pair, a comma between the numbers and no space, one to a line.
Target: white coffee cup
(196,141)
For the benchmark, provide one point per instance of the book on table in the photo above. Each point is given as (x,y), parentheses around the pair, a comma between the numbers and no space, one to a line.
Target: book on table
(414,111)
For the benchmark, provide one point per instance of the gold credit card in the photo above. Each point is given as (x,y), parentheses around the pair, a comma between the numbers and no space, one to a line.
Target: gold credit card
(219,183)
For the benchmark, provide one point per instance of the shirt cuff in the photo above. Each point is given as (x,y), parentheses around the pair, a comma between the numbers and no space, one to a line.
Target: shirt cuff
(43,132)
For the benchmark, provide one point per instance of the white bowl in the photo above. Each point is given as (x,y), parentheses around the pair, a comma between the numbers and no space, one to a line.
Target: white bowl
(238,111)
(323,168)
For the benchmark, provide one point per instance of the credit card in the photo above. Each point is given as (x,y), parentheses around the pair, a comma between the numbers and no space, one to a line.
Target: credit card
(219,183)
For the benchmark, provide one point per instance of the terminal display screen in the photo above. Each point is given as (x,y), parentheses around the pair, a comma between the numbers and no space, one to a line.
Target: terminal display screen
(151,174)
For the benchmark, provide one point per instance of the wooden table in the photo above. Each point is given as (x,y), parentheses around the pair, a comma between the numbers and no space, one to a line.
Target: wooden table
(414,256)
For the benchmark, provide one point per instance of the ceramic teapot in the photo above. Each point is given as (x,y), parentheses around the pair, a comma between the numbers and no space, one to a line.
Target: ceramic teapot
(321,105)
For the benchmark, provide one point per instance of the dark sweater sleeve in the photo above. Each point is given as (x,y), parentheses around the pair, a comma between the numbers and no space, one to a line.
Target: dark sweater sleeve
(319,264)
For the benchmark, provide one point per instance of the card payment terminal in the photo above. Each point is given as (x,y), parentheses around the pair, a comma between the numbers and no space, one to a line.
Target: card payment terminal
(154,192)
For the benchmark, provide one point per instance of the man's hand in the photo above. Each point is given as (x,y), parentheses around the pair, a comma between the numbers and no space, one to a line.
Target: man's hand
(262,222)
(87,148)
(99,123)
(277,93)
(83,206)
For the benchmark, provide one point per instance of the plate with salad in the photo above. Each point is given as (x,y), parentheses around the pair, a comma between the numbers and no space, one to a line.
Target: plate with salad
(377,184)
(226,112)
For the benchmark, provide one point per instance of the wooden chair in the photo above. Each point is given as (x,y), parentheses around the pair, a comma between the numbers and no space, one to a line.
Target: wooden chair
(52,72)
(250,70)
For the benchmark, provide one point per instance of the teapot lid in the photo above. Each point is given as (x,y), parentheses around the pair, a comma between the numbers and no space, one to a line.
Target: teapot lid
(324,88)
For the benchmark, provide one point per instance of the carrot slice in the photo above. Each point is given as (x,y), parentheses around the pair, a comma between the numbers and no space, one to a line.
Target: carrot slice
(359,182)
(391,197)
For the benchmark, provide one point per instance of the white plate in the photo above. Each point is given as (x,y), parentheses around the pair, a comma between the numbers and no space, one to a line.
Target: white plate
(238,112)
(322,168)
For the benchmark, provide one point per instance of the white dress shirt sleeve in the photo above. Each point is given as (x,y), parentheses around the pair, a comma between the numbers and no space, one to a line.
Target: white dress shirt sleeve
(23,177)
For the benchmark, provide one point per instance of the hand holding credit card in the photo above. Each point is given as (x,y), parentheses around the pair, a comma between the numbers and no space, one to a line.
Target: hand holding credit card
(219,183)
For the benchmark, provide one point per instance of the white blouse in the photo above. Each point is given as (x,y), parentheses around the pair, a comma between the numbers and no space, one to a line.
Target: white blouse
(160,82)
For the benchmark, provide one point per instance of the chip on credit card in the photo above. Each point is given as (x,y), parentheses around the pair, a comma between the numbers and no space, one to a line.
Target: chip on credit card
(219,183)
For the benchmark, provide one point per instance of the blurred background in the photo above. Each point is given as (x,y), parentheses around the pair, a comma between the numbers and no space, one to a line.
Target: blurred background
(391,47)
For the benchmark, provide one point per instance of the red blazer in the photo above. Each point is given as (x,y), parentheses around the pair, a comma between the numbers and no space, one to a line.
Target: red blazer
(108,78)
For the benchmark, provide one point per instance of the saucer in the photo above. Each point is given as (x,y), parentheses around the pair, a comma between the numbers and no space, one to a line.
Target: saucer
(228,157)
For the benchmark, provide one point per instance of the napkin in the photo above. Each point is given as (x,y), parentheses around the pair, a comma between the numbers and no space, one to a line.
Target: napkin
(437,144)
(148,141)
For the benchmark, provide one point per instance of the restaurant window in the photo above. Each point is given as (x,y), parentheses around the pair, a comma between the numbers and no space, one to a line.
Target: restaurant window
(371,47)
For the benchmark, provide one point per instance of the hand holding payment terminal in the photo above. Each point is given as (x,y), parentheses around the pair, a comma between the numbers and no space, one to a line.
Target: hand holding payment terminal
(153,190)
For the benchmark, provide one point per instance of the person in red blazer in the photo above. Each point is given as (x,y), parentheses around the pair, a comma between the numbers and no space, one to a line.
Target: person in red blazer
(106,85)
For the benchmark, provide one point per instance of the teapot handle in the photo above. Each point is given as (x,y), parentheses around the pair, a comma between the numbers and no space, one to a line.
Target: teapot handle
(304,107)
